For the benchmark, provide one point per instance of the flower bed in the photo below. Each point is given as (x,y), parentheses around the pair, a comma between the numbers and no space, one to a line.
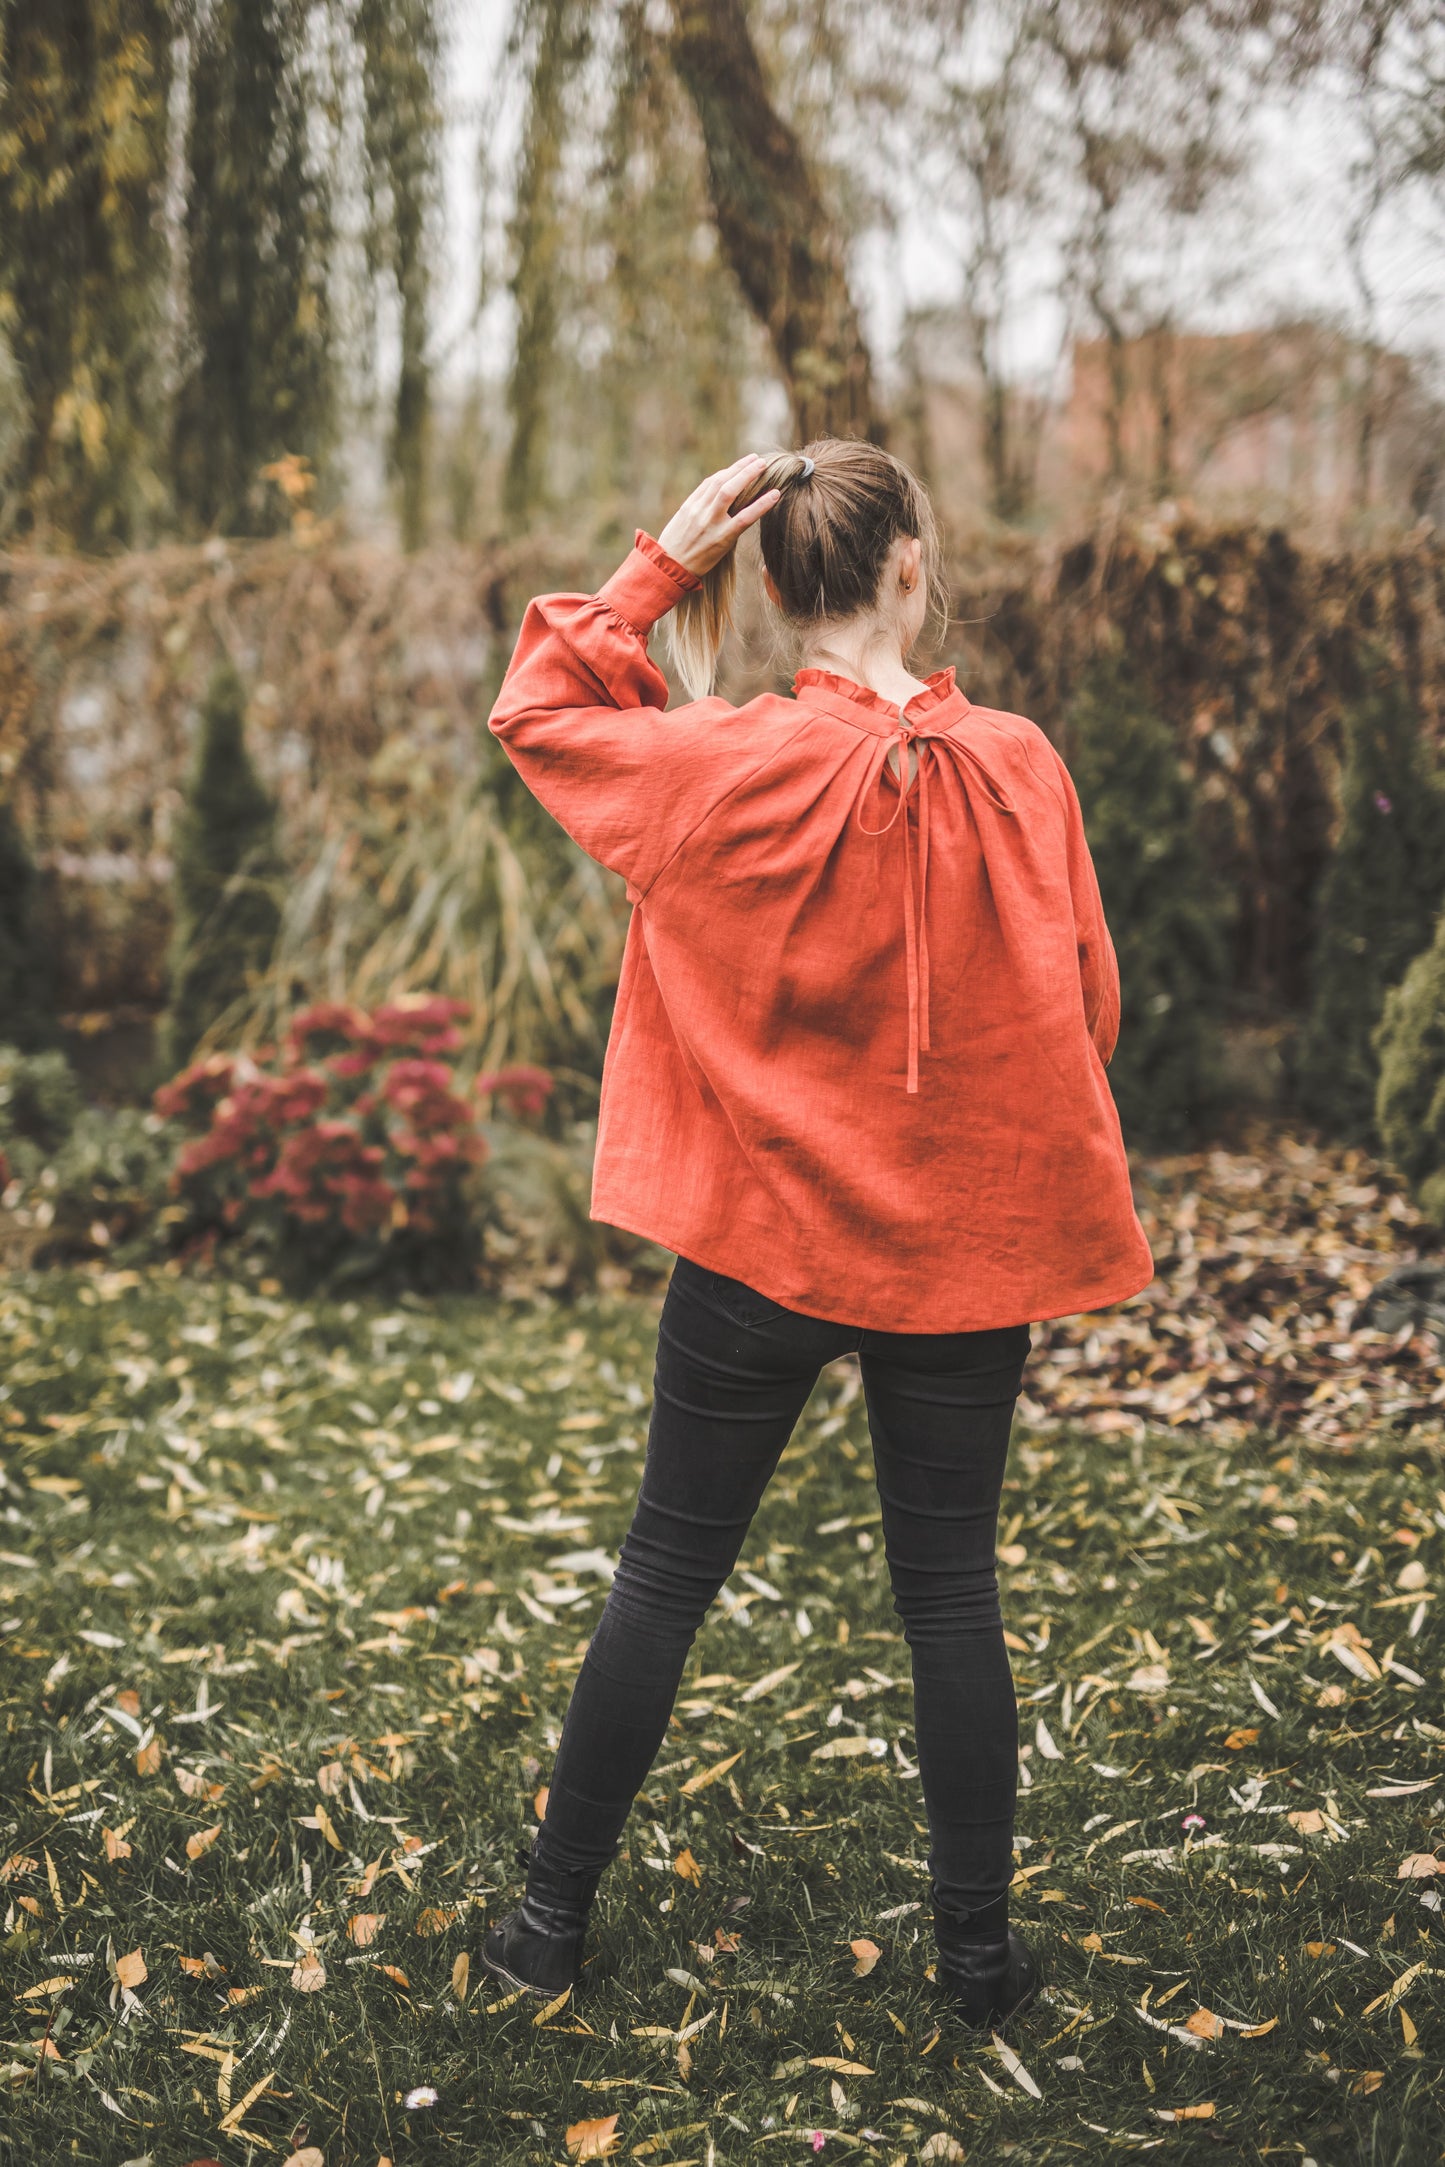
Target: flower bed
(347,1150)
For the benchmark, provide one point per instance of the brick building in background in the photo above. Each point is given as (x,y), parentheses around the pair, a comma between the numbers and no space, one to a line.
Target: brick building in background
(1298,425)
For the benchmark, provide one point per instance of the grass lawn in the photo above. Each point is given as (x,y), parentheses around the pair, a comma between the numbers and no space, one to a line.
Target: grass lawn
(293,1598)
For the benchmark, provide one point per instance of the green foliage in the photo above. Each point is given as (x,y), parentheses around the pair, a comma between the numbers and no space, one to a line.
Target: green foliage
(1410,1103)
(40,1103)
(83,90)
(84,1178)
(25,980)
(258,243)
(1165,911)
(225,881)
(1377,905)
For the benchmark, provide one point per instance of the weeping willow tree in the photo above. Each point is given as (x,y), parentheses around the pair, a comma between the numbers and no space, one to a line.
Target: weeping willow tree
(258,231)
(552,40)
(83,93)
(633,338)
(401,59)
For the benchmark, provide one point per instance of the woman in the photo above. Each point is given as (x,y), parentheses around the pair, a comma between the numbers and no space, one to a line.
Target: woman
(855,1080)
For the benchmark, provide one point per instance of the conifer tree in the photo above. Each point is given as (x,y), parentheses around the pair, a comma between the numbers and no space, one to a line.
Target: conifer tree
(27,1008)
(1378,902)
(1165,911)
(1410,1102)
(225,875)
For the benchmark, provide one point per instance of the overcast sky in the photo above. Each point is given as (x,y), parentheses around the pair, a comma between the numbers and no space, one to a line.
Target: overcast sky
(1277,251)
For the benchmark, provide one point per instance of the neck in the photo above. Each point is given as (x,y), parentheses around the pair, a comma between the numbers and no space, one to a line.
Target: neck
(866,655)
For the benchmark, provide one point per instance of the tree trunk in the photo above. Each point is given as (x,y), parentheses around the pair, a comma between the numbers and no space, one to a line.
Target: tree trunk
(774,228)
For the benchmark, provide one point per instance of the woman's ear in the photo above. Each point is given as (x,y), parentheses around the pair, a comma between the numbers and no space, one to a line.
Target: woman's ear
(910,564)
(770,588)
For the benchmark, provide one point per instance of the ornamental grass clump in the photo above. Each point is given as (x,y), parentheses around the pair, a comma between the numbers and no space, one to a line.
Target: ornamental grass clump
(343,1153)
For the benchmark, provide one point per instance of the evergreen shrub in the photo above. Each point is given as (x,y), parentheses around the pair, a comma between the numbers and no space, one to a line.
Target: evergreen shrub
(226,877)
(1410,1103)
(1165,911)
(76,1180)
(26,1005)
(1378,903)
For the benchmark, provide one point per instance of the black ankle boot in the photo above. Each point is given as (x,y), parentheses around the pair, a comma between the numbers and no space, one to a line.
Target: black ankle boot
(538,1947)
(989,1975)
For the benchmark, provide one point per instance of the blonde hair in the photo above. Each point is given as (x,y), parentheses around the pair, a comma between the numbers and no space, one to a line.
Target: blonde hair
(843,505)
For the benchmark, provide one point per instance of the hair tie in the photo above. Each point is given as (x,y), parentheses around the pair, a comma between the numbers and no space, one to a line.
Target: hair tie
(806,471)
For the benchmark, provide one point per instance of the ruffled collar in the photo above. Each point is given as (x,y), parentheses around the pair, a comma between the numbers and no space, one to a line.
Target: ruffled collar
(940,689)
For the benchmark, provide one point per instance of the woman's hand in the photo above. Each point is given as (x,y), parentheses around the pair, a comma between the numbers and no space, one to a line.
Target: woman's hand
(702,531)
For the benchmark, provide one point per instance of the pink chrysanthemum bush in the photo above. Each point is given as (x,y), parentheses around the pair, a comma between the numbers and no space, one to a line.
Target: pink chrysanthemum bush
(348,1151)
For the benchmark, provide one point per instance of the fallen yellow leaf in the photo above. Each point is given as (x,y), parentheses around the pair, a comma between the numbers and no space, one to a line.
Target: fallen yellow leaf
(1205,2024)
(1419,1866)
(867,1954)
(148,1757)
(705,1776)
(593,2140)
(435,1919)
(686,1867)
(231,2120)
(539,1803)
(364,1926)
(199,1844)
(839,2068)
(461,1974)
(324,1823)
(308,1975)
(1238,1740)
(131,1970)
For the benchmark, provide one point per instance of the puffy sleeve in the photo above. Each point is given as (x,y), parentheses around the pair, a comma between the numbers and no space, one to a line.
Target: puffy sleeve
(1098,965)
(582,714)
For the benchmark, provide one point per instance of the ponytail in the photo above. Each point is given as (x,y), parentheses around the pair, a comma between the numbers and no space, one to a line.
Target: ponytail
(698,625)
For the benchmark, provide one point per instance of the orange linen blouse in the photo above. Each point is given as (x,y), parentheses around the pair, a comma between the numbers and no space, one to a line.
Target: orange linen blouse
(857,1057)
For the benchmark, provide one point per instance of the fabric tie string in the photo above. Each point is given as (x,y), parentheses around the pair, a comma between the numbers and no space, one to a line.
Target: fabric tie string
(915,906)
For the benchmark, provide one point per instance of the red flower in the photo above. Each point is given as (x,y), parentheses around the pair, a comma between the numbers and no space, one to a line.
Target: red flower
(425,1024)
(192,1094)
(523,1091)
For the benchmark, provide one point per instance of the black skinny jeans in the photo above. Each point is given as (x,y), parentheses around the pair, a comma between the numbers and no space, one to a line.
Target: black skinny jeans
(733,1373)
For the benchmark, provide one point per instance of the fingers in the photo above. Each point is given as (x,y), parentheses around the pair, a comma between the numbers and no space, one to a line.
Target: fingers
(726,481)
(751,513)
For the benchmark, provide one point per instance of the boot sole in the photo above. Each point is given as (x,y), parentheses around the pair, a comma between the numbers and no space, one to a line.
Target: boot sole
(523,1986)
